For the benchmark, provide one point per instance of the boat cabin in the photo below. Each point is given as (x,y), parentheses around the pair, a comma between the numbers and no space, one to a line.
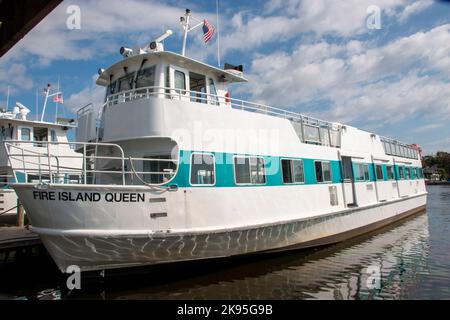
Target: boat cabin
(169,74)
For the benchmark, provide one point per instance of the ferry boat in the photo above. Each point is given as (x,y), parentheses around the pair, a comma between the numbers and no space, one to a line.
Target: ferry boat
(175,169)
(19,133)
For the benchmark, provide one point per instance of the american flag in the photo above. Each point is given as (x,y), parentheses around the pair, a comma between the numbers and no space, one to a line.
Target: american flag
(208,31)
(58,99)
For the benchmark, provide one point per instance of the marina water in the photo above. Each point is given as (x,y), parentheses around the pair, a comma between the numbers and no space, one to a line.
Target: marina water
(408,260)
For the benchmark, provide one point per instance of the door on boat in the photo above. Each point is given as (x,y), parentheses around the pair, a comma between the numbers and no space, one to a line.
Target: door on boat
(178,82)
(348,181)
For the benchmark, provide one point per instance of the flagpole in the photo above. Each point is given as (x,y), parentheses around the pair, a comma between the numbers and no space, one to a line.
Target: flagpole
(56,103)
(218,34)
(45,103)
(7,99)
(37,104)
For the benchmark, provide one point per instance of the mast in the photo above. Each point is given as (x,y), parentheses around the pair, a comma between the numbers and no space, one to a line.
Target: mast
(47,91)
(218,33)
(7,99)
(185,23)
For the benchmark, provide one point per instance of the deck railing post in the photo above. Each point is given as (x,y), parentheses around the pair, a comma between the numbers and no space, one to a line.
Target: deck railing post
(84,164)
(49,163)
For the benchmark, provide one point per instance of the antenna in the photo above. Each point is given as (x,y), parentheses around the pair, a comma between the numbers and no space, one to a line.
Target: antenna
(37,104)
(218,34)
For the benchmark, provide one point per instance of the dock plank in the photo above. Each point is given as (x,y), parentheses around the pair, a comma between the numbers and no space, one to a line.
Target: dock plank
(14,238)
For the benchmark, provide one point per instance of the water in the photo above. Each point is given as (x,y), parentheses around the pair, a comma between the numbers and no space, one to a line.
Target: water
(408,260)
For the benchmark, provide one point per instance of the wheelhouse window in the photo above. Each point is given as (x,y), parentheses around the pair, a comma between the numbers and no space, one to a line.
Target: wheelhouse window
(293,171)
(180,81)
(25,134)
(379,172)
(390,172)
(213,92)
(146,78)
(202,169)
(53,137)
(197,84)
(112,88)
(249,170)
(323,171)
(126,83)
(157,169)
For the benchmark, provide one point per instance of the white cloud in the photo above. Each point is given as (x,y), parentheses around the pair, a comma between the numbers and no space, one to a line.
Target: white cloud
(15,76)
(284,20)
(414,8)
(405,78)
(91,94)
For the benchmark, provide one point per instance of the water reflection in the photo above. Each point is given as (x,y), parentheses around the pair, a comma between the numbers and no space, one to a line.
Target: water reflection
(398,255)
(411,258)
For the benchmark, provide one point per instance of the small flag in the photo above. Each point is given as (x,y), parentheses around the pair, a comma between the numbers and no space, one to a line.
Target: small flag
(208,31)
(58,99)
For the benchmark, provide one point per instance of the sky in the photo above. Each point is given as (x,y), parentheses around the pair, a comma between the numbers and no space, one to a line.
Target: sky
(382,66)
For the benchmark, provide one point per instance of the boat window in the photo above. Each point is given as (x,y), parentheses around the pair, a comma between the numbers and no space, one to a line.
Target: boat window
(379,172)
(360,174)
(311,134)
(40,135)
(249,170)
(401,173)
(412,173)
(323,171)
(408,173)
(213,92)
(366,172)
(292,171)
(126,83)
(202,169)
(390,172)
(3,178)
(146,78)
(180,81)
(25,134)
(159,171)
(112,88)
(53,136)
(197,84)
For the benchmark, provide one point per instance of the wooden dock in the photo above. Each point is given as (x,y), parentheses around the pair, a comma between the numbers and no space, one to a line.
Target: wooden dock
(16,238)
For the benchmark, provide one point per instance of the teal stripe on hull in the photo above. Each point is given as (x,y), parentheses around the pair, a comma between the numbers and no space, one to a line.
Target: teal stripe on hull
(225,171)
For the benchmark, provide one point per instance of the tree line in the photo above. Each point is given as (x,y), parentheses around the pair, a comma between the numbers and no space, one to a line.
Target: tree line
(442,161)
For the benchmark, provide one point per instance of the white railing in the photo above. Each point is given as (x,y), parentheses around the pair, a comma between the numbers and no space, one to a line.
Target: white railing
(58,167)
(328,133)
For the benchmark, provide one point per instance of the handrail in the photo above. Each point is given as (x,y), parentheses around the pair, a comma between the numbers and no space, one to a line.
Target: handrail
(50,170)
(167,92)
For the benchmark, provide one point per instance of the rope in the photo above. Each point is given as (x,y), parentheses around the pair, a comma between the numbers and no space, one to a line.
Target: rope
(10,210)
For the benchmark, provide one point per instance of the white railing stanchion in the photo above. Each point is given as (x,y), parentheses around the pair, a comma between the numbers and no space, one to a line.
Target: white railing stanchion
(84,164)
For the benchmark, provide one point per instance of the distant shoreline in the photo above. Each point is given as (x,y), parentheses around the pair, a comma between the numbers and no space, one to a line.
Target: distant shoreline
(437,183)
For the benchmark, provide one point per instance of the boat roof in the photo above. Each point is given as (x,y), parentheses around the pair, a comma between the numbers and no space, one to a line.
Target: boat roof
(173,58)
(37,123)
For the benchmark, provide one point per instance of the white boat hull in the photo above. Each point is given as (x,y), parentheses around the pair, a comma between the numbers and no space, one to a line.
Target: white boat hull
(106,248)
